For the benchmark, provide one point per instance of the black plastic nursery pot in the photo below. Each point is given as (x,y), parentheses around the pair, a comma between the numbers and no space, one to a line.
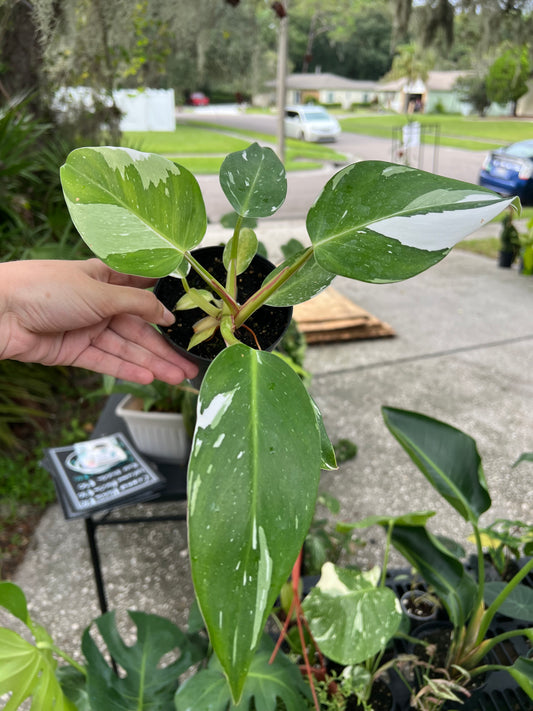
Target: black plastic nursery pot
(268,324)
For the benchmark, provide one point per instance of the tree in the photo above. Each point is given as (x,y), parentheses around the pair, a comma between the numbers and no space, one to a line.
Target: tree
(507,77)
(473,89)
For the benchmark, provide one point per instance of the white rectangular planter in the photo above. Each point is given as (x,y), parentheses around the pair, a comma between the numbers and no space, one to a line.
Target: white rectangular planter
(156,434)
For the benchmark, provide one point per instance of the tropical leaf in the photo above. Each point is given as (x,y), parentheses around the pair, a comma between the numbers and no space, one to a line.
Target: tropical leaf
(146,684)
(246,251)
(267,685)
(522,672)
(518,604)
(416,518)
(524,457)
(255,463)
(27,672)
(439,568)
(137,211)
(447,457)
(350,618)
(254,181)
(14,601)
(381,222)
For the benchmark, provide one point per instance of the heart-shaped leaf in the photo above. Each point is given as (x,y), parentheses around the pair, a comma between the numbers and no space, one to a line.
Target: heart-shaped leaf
(350,618)
(137,211)
(447,457)
(518,604)
(254,181)
(252,486)
(380,222)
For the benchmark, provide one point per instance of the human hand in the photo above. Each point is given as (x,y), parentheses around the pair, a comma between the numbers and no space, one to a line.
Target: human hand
(83,313)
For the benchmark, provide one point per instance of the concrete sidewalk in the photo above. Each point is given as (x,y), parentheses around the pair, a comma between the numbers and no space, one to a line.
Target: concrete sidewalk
(463,353)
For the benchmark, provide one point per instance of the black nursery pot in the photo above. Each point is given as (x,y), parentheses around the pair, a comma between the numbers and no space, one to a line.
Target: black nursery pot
(268,323)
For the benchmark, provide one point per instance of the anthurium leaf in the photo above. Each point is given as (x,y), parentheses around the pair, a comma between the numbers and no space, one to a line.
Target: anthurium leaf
(439,568)
(254,181)
(146,684)
(381,222)
(252,486)
(14,601)
(307,282)
(27,672)
(350,618)
(137,211)
(247,249)
(518,604)
(447,457)
(266,685)
(522,672)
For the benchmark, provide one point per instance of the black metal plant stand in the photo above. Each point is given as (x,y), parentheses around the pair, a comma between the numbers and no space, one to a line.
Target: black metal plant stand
(174,491)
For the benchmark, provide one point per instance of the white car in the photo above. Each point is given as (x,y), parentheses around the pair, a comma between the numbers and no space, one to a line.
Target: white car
(310,123)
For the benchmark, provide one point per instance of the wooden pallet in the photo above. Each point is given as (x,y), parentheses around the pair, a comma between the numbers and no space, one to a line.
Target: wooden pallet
(331,317)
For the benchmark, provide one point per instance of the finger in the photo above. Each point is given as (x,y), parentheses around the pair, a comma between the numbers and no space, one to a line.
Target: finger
(92,358)
(133,329)
(116,300)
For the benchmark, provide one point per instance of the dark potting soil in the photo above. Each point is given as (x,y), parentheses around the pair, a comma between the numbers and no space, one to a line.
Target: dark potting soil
(381,698)
(262,329)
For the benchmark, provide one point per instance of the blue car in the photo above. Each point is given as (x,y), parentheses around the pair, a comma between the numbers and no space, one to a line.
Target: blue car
(509,171)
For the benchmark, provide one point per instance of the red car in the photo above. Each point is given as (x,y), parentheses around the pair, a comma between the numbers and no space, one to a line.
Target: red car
(198,98)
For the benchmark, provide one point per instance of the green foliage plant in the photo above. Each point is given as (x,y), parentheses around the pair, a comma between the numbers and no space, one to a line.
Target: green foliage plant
(450,461)
(259,443)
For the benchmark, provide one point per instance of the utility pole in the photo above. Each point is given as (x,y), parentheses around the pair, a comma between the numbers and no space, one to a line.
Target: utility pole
(281,10)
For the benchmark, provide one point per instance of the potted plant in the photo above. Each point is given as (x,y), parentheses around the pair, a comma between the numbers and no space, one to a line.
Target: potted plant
(449,459)
(159,417)
(259,443)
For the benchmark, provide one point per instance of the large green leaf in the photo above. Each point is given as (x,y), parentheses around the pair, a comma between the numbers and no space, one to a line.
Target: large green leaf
(416,518)
(447,457)
(439,568)
(147,684)
(28,672)
(309,281)
(350,618)
(253,480)
(381,222)
(137,211)
(266,684)
(254,181)
(518,604)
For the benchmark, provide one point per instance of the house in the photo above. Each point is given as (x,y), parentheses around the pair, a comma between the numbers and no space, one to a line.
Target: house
(436,92)
(322,88)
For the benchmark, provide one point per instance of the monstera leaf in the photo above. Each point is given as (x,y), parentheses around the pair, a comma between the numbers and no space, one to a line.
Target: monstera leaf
(27,671)
(147,684)
(267,685)
(381,222)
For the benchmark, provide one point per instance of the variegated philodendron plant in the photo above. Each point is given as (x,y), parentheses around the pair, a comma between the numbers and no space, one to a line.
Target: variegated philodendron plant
(259,443)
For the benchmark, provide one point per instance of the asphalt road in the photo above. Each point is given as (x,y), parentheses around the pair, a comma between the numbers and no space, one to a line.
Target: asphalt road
(305,186)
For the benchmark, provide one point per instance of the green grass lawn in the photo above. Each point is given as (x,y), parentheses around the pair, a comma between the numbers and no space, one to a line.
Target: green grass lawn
(470,132)
(201,148)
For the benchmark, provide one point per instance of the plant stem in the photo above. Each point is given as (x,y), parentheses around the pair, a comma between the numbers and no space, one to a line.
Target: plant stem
(231,277)
(495,606)
(262,295)
(63,655)
(386,554)
(215,285)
